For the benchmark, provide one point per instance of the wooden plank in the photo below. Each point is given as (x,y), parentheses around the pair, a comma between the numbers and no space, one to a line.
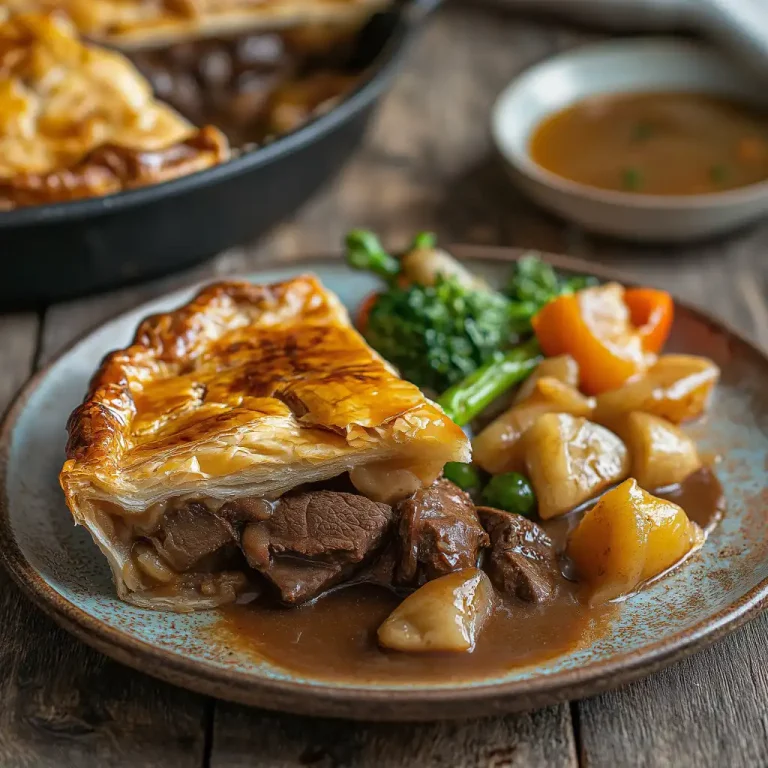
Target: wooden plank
(246,738)
(18,342)
(708,710)
(65,705)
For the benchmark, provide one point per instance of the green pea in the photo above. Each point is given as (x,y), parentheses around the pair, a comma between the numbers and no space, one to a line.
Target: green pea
(465,476)
(511,492)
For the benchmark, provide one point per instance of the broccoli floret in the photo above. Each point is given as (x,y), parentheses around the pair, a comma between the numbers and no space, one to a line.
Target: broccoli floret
(437,335)
(364,251)
(533,283)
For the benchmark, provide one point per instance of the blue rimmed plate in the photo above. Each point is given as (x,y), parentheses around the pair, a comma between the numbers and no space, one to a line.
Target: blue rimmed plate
(61,569)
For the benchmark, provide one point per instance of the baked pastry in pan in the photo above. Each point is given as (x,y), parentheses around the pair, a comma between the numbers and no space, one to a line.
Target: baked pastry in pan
(79,121)
(132,24)
(228,403)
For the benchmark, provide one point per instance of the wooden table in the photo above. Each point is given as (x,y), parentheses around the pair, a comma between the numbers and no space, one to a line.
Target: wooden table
(427,164)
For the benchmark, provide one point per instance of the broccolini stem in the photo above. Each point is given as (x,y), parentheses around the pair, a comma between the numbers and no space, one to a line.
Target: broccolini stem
(364,251)
(467,399)
(424,240)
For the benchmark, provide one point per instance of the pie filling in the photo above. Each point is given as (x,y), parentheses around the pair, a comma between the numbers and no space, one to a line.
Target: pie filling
(297,544)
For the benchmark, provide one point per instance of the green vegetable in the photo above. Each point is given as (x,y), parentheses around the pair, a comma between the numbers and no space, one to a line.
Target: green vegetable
(437,335)
(631,179)
(470,397)
(424,240)
(364,251)
(466,476)
(534,283)
(511,492)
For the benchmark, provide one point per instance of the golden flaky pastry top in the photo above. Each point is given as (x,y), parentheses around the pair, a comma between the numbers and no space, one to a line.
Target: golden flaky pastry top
(78,121)
(247,390)
(133,24)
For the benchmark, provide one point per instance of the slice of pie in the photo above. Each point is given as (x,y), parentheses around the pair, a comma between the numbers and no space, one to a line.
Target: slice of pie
(252,422)
(131,24)
(79,121)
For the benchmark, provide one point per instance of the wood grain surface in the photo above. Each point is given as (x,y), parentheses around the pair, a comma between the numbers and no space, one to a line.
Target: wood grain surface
(427,163)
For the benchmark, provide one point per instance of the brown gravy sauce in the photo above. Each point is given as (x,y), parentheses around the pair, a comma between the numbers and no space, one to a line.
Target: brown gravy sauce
(334,638)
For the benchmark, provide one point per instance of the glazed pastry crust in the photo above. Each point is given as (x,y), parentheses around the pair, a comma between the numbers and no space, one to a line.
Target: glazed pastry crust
(79,121)
(248,390)
(134,24)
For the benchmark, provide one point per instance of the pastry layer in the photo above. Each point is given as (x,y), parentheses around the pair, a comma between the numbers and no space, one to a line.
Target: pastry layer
(79,121)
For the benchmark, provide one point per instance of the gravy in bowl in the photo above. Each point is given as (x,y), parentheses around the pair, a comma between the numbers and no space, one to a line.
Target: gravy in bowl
(655,143)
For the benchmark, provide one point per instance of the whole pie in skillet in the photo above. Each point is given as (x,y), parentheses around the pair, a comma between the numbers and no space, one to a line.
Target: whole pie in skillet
(149,23)
(78,121)
(226,431)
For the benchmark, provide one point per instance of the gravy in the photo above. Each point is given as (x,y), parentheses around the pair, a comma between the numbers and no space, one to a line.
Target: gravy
(655,143)
(334,638)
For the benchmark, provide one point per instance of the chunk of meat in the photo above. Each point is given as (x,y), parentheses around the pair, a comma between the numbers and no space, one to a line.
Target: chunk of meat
(315,539)
(522,563)
(439,533)
(191,533)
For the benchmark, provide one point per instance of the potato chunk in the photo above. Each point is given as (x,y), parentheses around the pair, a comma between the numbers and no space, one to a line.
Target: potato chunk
(627,538)
(496,449)
(660,453)
(569,460)
(446,614)
(563,368)
(677,388)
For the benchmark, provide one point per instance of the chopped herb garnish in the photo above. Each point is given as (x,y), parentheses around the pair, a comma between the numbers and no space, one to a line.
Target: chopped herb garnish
(631,179)
(642,131)
(718,174)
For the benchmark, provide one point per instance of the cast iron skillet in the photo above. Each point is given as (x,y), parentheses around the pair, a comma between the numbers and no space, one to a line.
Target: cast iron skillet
(53,252)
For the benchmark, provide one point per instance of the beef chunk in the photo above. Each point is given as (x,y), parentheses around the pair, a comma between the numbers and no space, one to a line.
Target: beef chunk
(522,562)
(381,570)
(315,539)
(439,533)
(191,533)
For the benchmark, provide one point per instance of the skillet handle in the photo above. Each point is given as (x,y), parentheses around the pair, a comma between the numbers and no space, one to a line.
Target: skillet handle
(416,11)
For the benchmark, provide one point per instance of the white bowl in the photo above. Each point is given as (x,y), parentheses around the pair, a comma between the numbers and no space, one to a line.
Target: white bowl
(637,65)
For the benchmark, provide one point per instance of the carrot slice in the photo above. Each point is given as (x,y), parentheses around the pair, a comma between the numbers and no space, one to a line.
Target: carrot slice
(652,313)
(594,327)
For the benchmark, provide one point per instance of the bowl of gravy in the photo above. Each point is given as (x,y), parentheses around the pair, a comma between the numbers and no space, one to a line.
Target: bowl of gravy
(648,139)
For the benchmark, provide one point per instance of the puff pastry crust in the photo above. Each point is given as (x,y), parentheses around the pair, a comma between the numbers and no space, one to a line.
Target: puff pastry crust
(247,391)
(133,24)
(79,121)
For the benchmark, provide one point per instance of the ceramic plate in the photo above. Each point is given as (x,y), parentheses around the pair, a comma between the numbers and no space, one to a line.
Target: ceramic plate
(61,569)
